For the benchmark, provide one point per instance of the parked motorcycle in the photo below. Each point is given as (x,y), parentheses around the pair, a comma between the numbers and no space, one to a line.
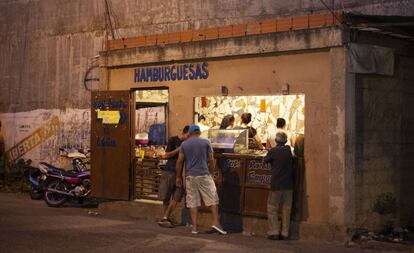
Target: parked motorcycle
(65,185)
(41,178)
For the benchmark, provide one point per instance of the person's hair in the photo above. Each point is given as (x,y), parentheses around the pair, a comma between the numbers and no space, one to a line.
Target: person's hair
(281,138)
(201,117)
(185,129)
(246,118)
(280,123)
(227,121)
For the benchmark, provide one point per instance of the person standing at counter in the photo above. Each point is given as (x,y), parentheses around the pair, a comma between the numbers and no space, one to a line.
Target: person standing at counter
(202,123)
(281,188)
(227,122)
(197,153)
(168,191)
(271,133)
(254,139)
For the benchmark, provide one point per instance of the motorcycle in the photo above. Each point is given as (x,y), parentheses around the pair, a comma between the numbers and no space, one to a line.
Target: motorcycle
(41,178)
(75,183)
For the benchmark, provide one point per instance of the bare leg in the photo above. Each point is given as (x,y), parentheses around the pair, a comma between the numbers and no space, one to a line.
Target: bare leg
(170,208)
(164,210)
(193,214)
(215,215)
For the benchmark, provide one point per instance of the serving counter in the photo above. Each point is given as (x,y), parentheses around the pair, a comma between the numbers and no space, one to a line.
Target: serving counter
(243,187)
(245,183)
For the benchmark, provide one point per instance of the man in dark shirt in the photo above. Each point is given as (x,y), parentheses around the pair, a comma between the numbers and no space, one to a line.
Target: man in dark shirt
(281,188)
(168,192)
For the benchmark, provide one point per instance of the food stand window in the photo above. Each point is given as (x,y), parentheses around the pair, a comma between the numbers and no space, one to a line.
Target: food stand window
(264,109)
(151,128)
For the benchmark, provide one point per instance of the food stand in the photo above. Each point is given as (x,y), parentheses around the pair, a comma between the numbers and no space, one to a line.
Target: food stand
(245,178)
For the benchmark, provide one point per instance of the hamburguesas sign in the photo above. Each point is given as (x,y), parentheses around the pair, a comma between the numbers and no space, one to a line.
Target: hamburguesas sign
(188,71)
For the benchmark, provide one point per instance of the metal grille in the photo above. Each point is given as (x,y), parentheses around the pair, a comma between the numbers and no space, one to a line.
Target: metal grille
(148,175)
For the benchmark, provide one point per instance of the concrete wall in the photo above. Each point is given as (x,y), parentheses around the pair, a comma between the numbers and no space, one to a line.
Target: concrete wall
(385,143)
(46,46)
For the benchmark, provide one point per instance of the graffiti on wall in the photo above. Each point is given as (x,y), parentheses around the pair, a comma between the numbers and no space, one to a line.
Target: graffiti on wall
(36,138)
(73,132)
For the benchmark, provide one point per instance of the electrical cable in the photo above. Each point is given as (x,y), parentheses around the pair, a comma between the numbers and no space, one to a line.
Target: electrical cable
(109,19)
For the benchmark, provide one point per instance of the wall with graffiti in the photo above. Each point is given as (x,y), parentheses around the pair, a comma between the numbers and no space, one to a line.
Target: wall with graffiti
(38,134)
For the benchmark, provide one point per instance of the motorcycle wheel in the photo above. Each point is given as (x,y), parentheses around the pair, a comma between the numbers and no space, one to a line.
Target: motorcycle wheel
(36,194)
(55,199)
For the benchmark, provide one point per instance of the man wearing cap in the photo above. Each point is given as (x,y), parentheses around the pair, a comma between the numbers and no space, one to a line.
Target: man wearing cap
(197,154)
(281,188)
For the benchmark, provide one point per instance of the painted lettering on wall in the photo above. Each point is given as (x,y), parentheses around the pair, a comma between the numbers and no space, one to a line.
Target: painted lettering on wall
(40,135)
(188,71)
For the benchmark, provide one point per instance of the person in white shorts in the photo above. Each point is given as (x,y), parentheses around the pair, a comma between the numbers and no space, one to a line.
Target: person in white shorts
(197,154)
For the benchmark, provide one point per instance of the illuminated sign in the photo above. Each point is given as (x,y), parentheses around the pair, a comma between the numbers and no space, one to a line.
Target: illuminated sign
(176,72)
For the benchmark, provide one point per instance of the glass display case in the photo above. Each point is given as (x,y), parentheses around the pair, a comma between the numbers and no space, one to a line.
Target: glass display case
(229,141)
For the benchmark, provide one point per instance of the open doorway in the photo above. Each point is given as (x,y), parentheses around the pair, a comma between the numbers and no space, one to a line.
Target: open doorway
(150,138)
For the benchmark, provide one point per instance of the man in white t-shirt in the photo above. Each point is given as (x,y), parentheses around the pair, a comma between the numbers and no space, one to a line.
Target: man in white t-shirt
(202,123)
(271,133)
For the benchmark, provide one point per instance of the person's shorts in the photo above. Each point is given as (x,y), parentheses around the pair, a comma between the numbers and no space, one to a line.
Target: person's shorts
(167,188)
(204,185)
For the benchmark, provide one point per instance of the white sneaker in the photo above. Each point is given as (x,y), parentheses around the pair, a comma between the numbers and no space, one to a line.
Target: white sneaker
(219,229)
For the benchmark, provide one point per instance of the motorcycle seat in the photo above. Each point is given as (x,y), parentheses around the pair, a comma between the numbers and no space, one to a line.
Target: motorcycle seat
(60,171)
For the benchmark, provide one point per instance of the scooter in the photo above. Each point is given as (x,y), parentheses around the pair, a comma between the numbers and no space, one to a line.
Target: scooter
(41,178)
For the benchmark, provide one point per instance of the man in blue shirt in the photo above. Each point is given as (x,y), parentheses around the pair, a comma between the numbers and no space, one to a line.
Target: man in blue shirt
(197,154)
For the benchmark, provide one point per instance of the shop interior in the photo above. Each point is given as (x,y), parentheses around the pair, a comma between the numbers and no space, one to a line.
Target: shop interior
(151,117)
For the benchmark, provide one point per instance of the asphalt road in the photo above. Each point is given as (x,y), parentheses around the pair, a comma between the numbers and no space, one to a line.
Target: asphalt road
(30,226)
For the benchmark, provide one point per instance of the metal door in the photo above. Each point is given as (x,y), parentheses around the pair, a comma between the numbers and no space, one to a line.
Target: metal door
(111,144)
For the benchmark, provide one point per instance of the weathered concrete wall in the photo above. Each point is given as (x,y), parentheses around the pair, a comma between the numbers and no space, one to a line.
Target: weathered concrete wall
(47,45)
(385,143)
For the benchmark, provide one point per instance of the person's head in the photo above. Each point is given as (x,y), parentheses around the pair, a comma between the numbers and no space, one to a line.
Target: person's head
(185,133)
(201,119)
(281,138)
(280,123)
(246,118)
(194,130)
(227,121)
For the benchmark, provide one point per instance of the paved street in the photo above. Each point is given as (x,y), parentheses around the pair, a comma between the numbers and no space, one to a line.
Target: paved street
(30,226)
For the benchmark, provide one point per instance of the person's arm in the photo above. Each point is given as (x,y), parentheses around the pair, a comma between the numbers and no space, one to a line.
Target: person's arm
(268,157)
(171,153)
(179,169)
(268,143)
(171,149)
(211,162)
(258,141)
